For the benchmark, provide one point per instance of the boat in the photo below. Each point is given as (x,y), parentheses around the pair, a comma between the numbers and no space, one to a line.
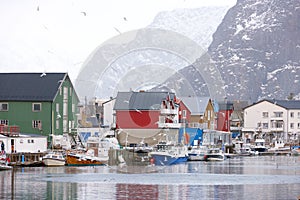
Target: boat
(259,146)
(83,159)
(295,151)
(4,161)
(96,152)
(197,153)
(54,159)
(214,154)
(168,154)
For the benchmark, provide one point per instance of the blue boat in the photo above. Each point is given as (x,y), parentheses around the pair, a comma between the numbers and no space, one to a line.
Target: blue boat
(168,154)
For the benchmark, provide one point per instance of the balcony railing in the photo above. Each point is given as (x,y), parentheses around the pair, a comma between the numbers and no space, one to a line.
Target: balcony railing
(169,125)
(168,112)
(276,129)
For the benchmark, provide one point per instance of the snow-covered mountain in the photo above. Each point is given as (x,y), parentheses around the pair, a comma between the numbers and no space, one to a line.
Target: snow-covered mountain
(257,49)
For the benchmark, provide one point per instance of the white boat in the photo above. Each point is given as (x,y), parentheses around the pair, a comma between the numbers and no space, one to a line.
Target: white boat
(214,154)
(168,154)
(54,159)
(259,146)
(197,153)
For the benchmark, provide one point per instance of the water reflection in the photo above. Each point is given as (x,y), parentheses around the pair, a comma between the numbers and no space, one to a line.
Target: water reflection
(239,178)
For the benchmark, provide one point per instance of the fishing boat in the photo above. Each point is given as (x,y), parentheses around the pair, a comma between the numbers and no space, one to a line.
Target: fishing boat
(259,146)
(83,159)
(197,153)
(214,154)
(96,152)
(54,159)
(168,154)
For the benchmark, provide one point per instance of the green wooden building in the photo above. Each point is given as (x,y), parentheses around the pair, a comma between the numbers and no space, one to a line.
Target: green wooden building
(38,103)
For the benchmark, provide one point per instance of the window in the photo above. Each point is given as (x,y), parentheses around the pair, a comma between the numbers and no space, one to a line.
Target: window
(4,121)
(291,125)
(292,114)
(57,107)
(70,92)
(3,106)
(265,114)
(298,115)
(278,114)
(57,124)
(36,107)
(183,114)
(298,125)
(37,124)
(73,108)
(30,141)
(265,125)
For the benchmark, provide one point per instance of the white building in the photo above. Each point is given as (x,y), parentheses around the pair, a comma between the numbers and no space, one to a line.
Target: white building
(278,119)
(24,143)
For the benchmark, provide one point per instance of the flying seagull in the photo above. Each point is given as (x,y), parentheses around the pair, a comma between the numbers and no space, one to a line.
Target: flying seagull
(117,30)
(84,13)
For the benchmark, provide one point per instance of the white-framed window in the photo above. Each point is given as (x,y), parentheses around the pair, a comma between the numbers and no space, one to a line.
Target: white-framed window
(57,124)
(278,114)
(37,124)
(184,114)
(70,92)
(292,114)
(298,115)
(298,125)
(36,107)
(4,121)
(57,107)
(30,141)
(73,107)
(3,106)
(292,125)
(265,114)
(265,126)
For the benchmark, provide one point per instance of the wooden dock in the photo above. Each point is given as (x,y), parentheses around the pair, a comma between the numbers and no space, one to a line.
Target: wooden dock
(25,159)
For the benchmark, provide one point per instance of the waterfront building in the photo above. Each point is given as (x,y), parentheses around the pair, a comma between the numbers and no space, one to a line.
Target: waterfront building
(148,117)
(273,120)
(39,103)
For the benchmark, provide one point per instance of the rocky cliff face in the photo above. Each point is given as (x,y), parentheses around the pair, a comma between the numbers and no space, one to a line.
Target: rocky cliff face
(256,48)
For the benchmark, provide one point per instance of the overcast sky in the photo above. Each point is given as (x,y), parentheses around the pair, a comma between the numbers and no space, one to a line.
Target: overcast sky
(49,35)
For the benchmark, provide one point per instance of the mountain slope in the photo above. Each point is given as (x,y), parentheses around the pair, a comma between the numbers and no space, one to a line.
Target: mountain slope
(256,48)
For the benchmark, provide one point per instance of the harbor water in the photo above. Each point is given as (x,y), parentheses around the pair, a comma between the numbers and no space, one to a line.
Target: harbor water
(257,177)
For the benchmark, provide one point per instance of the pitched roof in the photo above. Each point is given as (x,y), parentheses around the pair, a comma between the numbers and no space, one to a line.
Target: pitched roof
(140,100)
(197,105)
(29,86)
(287,104)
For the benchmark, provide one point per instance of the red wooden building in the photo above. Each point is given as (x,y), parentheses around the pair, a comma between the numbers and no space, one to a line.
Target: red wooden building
(148,116)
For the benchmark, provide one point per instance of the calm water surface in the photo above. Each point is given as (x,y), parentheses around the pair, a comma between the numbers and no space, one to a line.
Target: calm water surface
(264,177)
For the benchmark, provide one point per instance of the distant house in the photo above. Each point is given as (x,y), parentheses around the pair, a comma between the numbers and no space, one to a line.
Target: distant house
(273,119)
(223,116)
(202,112)
(38,103)
(147,117)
